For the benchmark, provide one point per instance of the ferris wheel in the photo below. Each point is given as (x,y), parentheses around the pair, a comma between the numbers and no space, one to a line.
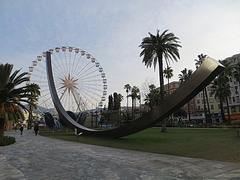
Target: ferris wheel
(79,78)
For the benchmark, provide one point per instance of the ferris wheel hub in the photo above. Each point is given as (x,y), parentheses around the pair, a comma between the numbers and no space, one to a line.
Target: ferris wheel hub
(69,83)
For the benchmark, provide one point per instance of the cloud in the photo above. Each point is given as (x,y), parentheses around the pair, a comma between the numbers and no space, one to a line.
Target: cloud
(113,30)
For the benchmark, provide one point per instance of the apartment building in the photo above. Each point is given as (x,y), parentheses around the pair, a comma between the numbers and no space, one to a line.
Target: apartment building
(234,100)
(197,103)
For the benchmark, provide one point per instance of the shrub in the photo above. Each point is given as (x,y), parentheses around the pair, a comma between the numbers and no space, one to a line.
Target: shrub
(6,140)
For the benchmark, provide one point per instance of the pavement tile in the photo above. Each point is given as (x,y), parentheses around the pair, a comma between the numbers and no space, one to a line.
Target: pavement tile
(37,157)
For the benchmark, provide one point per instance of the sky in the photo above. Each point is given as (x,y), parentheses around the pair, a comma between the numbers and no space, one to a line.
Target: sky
(112,31)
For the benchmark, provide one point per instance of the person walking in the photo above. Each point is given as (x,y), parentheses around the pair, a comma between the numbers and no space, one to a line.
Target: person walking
(21,129)
(36,129)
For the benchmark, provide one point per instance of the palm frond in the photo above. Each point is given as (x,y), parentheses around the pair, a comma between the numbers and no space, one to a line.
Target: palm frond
(15,95)
(14,74)
(5,71)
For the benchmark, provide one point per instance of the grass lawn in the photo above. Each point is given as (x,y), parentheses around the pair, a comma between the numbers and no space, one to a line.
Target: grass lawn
(215,144)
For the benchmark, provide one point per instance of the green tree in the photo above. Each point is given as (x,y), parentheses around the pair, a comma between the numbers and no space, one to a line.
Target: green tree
(110,102)
(221,88)
(120,98)
(184,76)
(134,95)
(117,98)
(14,94)
(159,47)
(206,105)
(168,74)
(34,89)
(199,61)
(153,97)
(155,49)
(128,89)
(139,100)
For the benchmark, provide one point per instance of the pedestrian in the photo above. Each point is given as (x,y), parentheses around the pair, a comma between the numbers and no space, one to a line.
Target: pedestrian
(36,129)
(21,129)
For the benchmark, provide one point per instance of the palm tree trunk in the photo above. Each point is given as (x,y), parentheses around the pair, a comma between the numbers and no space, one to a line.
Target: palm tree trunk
(168,87)
(132,110)
(2,123)
(222,109)
(127,101)
(204,106)
(160,63)
(208,106)
(140,105)
(229,118)
(30,117)
(189,114)
(171,116)
(127,107)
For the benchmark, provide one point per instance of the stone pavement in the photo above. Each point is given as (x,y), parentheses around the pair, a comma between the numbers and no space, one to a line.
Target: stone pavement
(37,157)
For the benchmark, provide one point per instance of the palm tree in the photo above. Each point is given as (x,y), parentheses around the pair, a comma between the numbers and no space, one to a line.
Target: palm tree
(151,87)
(155,49)
(168,74)
(221,88)
(128,88)
(139,100)
(159,47)
(13,94)
(35,92)
(117,98)
(152,98)
(182,78)
(134,95)
(199,61)
(185,75)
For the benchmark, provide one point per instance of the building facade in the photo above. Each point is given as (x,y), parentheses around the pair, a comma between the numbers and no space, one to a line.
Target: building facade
(234,100)
(198,105)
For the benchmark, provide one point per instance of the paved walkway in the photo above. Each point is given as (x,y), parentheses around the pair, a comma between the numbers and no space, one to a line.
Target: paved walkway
(37,157)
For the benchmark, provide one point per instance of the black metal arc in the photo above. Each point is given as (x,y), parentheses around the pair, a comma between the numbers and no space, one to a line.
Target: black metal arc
(209,69)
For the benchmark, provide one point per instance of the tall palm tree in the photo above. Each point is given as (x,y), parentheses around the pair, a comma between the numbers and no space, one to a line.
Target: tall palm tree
(159,47)
(14,94)
(155,49)
(168,74)
(184,76)
(207,111)
(128,88)
(221,88)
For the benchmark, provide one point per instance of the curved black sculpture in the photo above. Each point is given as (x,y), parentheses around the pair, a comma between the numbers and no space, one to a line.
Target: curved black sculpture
(71,114)
(49,120)
(199,79)
(81,118)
